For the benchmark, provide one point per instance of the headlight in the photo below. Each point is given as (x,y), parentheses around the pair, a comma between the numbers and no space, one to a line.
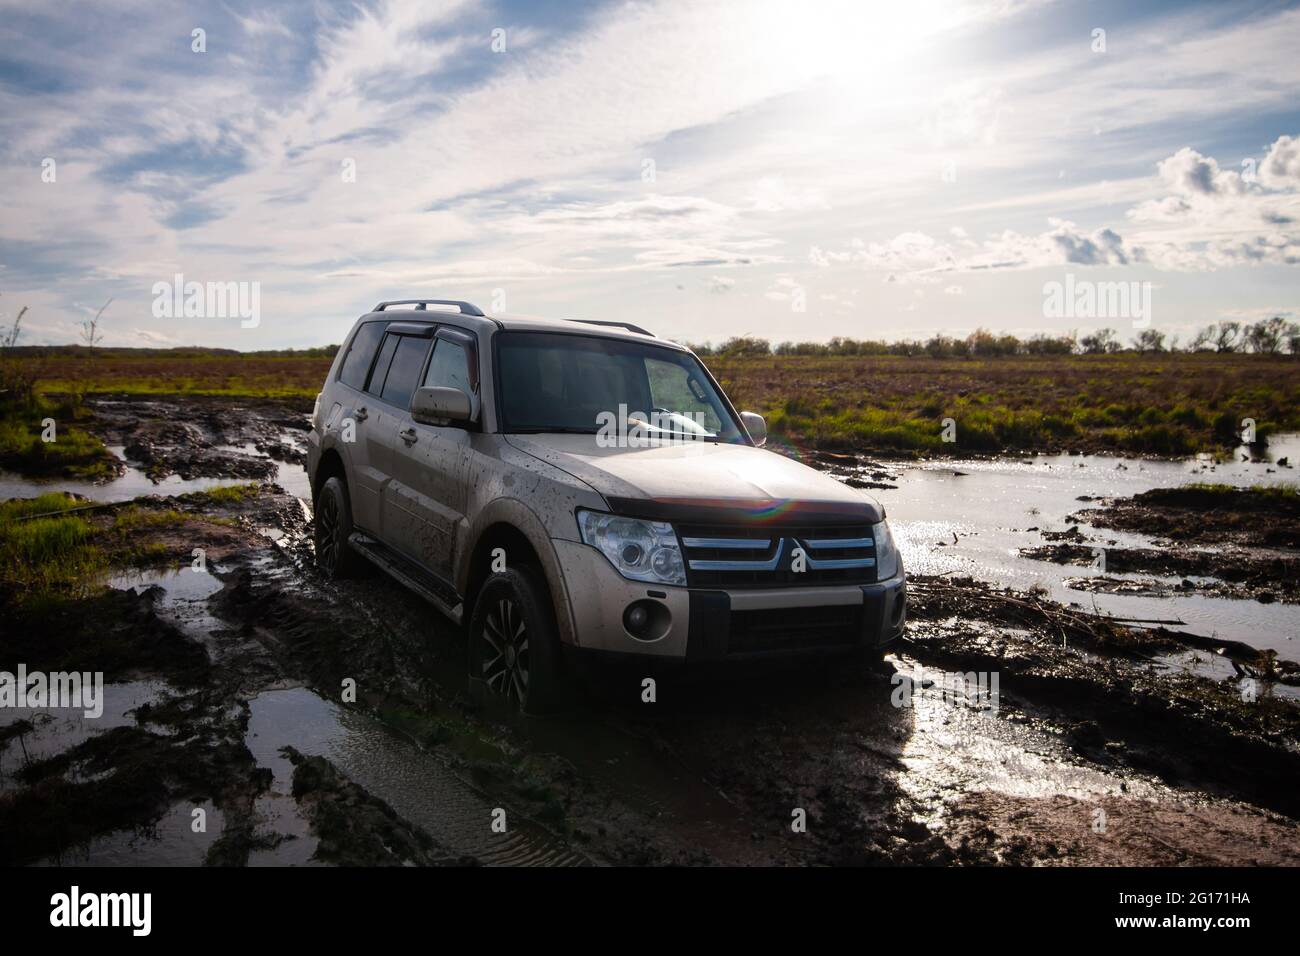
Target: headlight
(639,550)
(886,551)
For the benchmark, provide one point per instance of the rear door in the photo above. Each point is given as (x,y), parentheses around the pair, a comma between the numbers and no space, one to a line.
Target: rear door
(350,415)
(397,372)
(430,463)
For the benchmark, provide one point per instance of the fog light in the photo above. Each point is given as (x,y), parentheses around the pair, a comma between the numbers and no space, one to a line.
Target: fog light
(647,620)
(896,612)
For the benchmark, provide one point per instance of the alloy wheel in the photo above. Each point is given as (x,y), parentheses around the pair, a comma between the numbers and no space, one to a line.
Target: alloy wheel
(505,652)
(327,529)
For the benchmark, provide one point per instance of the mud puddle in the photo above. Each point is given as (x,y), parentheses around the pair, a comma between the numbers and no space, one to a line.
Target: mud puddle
(987,519)
(171,840)
(415,783)
(30,734)
(175,447)
(1019,776)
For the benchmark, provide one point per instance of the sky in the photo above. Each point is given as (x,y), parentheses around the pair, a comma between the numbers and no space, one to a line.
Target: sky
(792,170)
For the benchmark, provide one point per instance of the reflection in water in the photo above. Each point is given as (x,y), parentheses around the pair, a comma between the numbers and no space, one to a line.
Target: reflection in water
(415,783)
(134,482)
(992,507)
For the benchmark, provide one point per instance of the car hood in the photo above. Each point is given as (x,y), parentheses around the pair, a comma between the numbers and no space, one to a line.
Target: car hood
(711,482)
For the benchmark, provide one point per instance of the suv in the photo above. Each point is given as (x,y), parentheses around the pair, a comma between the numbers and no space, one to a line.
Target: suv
(491,464)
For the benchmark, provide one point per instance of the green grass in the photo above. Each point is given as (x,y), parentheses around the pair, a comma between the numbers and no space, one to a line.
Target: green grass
(66,555)
(235,387)
(1288,492)
(1169,405)
(73,452)
(40,555)
(230,494)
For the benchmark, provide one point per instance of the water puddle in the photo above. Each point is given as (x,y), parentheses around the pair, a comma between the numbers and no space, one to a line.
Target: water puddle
(55,730)
(954,749)
(415,783)
(172,841)
(135,483)
(973,517)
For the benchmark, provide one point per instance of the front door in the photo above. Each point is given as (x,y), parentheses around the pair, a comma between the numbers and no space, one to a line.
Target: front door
(431,463)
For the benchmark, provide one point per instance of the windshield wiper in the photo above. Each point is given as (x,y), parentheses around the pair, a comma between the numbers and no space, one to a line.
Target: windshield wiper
(552,429)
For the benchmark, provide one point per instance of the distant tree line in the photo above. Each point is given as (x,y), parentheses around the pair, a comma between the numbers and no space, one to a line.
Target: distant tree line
(1274,336)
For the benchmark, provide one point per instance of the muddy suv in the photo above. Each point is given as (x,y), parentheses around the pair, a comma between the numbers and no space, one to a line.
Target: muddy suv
(584,488)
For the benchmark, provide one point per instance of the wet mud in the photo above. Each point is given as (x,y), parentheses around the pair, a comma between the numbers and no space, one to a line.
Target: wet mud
(1216,542)
(202,437)
(323,724)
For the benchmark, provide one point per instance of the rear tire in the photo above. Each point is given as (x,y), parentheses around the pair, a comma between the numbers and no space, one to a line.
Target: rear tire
(514,649)
(333,527)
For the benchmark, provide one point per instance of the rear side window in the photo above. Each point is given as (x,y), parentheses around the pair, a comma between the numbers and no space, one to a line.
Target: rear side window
(449,367)
(381,365)
(362,350)
(404,372)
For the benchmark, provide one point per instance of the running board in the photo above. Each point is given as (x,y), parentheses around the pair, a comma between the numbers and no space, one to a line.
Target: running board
(427,585)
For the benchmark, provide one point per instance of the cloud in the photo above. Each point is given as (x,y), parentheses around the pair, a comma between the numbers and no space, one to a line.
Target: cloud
(917,257)
(1190,173)
(1215,219)
(1220,218)
(771,134)
(1281,166)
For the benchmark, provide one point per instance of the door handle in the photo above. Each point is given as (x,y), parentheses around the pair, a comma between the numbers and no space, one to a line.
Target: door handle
(408,435)
(361,414)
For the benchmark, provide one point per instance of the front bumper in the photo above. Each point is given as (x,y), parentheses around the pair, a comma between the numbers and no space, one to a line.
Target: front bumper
(725,625)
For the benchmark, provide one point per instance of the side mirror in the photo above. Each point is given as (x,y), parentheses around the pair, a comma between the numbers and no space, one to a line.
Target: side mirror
(756,425)
(435,405)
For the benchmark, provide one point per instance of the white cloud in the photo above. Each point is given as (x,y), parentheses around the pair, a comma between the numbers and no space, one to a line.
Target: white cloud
(773,130)
(1281,166)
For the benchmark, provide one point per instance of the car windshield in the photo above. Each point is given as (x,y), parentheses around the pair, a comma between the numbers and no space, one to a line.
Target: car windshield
(555,382)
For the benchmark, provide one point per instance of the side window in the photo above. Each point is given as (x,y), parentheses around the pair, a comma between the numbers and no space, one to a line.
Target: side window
(357,362)
(671,387)
(449,367)
(381,365)
(405,370)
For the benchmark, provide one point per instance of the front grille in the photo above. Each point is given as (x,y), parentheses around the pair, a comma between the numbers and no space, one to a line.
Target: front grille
(795,627)
(732,556)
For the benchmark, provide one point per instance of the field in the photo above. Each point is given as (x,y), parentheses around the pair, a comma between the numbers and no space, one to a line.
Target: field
(1155,404)
(1158,404)
(75,370)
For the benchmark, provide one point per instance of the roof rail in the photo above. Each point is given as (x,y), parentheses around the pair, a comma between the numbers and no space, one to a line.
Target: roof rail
(466,308)
(616,325)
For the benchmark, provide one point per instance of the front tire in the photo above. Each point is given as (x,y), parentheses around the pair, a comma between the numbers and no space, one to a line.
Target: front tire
(333,527)
(514,650)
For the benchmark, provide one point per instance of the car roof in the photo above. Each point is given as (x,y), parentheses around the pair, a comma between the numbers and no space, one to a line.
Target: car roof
(515,321)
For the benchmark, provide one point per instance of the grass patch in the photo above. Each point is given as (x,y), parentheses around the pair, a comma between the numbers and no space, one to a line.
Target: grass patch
(64,555)
(1289,492)
(294,376)
(230,494)
(73,452)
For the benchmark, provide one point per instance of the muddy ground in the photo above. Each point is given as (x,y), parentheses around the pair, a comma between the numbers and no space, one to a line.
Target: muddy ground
(1093,751)
(1242,544)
